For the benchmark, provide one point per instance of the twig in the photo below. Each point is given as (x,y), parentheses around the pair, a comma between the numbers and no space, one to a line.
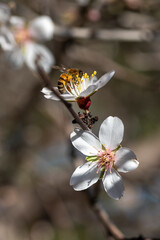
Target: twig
(104,218)
(105,34)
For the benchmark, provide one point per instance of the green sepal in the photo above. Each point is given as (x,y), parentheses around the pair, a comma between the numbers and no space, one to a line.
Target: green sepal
(103,147)
(92,158)
(91,93)
(102,172)
(115,150)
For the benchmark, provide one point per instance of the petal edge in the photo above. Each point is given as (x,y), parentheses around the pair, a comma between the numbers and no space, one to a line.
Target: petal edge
(113,184)
(84,176)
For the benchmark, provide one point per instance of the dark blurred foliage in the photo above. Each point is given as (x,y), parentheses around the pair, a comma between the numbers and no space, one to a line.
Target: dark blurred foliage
(36,201)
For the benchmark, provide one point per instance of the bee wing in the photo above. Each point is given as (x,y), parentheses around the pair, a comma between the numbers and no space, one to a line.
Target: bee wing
(64,67)
(57,67)
(61,68)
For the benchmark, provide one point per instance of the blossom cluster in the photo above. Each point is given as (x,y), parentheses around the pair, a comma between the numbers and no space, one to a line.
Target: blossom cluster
(105,156)
(21,40)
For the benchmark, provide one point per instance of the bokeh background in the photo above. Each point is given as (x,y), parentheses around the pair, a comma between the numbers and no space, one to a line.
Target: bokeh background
(36,201)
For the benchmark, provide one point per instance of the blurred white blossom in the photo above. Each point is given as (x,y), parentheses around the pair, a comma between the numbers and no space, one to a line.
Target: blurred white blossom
(21,41)
(105,158)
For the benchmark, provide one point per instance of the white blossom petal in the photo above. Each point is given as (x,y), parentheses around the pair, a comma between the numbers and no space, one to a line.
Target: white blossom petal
(125,160)
(93,79)
(4,13)
(42,28)
(85,141)
(68,97)
(84,176)
(111,132)
(15,57)
(34,50)
(50,95)
(88,91)
(46,91)
(87,82)
(17,22)
(104,79)
(5,45)
(7,41)
(113,184)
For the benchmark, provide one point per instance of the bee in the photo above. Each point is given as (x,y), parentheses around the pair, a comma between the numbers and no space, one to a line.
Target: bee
(68,77)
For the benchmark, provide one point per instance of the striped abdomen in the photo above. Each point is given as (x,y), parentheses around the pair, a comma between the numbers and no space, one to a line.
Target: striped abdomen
(61,82)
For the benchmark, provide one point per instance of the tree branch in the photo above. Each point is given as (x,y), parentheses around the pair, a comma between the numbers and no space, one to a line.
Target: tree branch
(105,34)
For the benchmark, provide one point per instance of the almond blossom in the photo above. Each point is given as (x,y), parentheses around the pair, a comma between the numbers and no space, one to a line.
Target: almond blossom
(81,91)
(105,156)
(21,40)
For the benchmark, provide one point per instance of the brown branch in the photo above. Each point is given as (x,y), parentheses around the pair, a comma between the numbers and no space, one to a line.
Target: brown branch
(104,34)
(104,218)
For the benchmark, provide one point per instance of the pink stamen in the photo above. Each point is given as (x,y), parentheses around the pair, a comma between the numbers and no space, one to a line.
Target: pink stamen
(106,160)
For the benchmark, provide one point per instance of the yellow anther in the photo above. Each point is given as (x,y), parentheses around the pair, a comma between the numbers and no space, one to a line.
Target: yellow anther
(95,72)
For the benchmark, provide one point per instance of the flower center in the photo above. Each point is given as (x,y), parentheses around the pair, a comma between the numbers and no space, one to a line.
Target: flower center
(76,82)
(106,159)
(22,36)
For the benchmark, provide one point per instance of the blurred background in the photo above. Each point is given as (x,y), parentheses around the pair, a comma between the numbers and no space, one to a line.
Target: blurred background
(36,201)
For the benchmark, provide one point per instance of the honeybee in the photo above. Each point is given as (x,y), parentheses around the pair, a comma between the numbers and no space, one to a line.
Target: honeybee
(69,76)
